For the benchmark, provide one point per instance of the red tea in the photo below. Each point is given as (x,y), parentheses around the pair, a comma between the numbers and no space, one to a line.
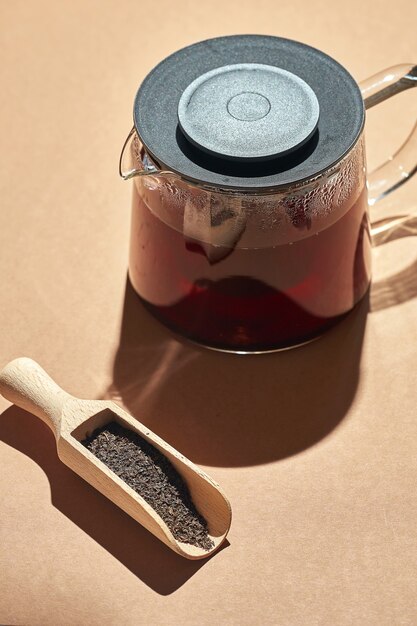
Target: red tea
(243,298)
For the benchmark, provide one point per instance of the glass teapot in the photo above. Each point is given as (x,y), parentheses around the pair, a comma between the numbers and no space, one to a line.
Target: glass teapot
(250,227)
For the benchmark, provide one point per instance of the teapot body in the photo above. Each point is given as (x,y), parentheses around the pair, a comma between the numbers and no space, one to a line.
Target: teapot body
(256,271)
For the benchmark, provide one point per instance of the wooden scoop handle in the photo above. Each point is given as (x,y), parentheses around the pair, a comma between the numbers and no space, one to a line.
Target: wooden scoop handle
(27,385)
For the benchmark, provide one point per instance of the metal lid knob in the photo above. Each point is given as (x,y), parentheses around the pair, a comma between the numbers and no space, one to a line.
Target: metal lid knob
(248,112)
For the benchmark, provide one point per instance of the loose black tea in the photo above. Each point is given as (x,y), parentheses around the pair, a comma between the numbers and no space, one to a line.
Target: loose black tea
(146,470)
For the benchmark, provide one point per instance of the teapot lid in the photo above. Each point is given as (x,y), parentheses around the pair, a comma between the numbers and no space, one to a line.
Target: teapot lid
(248,112)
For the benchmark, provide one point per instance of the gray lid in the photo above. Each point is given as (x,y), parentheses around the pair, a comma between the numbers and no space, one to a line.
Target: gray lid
(248,112)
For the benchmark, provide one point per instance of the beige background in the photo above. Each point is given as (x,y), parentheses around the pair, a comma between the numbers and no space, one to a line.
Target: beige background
(316,447)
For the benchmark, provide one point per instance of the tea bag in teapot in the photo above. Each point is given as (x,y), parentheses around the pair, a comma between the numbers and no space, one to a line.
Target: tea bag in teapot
(216,227)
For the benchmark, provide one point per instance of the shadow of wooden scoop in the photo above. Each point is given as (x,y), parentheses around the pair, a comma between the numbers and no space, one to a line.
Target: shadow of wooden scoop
(27,385)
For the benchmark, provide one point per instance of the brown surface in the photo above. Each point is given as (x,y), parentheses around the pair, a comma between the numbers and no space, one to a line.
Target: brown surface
(324,527)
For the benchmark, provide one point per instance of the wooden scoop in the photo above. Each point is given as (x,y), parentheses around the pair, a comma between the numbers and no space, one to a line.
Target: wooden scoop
(26,384)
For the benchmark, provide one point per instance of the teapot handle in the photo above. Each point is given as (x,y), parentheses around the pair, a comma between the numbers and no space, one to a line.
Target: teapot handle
(403,164)
(387,178)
